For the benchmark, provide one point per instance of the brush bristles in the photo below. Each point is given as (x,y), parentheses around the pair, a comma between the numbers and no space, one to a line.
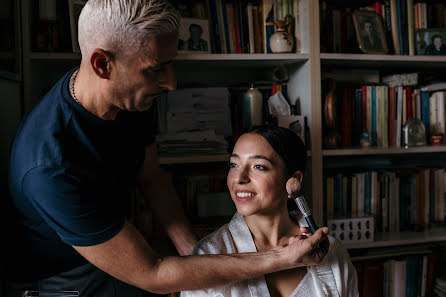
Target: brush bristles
(293,187)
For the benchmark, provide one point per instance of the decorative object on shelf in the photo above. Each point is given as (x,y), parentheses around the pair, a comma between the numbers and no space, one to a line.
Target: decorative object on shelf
(365,140)
(280,74)
(351,230)
(430,42)
(370,32)
(75,8)
(252,108)
(281,41)
(194,36)
(331,136)
(437,139)
(414,133)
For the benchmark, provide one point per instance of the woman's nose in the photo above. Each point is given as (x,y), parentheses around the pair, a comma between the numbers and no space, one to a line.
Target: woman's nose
(243,176)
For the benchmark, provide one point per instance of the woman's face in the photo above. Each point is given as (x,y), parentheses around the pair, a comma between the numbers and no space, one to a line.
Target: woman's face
(256,178)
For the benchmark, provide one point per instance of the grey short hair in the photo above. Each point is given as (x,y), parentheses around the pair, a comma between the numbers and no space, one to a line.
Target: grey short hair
(124,25)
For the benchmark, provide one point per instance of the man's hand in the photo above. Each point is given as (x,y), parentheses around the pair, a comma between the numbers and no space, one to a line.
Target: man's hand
(304,251)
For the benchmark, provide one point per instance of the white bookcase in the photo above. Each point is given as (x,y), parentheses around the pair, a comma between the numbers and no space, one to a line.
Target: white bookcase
(41,70)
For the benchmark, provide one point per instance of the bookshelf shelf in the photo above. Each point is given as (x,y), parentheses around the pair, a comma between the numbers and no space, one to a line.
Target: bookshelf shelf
(384,151)
(272,59)
(193,159)
(240,60)
(10,75)
(387,239)
(384,61)
(199,159)
(54,56)
(244,57)
(7,55)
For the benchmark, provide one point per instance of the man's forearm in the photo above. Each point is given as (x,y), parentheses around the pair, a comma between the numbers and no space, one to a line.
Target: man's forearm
(128,257)
(207,271)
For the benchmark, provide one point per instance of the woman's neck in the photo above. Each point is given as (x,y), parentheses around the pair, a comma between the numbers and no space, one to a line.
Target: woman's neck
(272,229)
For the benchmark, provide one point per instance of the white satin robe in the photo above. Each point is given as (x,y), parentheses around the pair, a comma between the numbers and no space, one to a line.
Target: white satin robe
(334,276)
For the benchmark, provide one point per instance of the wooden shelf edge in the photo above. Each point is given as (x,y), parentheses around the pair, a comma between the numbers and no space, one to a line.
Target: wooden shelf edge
(10,76)
(384,151)
(54,56)
(390,58)
(193,159)
(387,239)
(236,57)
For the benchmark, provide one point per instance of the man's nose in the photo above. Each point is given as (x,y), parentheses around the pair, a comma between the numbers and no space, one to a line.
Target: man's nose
(168,79)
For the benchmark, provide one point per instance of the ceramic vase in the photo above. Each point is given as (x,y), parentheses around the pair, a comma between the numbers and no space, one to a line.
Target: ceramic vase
(281,41)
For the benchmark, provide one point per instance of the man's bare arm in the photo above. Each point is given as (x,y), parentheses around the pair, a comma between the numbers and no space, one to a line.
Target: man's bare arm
(157,187)
(128,257)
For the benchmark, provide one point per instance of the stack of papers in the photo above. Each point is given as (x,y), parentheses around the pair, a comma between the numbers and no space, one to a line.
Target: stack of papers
(194,122)
(191,143)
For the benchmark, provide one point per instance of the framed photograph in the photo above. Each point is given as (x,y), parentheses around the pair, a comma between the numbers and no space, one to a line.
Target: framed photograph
(431,42)
(75,8)
(370,32)
(194,36)
(295,123)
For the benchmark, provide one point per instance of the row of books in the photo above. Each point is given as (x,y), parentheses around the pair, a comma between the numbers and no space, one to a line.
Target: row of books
(430,15)
(404,23)
(245,26)
(382,111)
(404,199)
(410,276)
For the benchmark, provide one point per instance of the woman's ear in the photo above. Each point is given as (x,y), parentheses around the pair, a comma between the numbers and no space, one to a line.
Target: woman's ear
(299,175)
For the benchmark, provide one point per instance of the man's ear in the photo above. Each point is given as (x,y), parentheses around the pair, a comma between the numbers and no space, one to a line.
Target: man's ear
(102,63)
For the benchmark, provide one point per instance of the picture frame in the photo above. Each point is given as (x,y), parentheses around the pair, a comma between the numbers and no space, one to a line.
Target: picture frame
(430,42)
(194,36)
(370,32)
(75,8)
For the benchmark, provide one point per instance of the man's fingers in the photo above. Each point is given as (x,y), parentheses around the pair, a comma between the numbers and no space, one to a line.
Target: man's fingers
(318,237)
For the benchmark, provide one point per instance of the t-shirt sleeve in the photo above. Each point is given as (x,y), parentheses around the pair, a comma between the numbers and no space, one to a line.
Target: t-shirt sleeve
(65,204)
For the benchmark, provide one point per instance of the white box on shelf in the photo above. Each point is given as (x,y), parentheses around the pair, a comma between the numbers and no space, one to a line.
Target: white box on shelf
(350,230)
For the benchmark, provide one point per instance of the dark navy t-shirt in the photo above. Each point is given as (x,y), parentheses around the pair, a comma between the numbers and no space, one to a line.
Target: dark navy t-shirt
(71,179)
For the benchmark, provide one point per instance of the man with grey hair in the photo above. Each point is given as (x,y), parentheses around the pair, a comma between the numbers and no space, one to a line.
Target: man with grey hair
(82,150)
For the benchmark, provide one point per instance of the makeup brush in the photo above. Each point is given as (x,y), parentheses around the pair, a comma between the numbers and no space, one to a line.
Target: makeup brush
(295,193)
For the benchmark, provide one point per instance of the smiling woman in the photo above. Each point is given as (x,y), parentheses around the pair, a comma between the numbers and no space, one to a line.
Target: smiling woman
(260,165)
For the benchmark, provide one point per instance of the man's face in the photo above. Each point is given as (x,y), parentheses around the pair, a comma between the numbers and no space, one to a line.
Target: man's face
(437,43)
(142,78)
(368,27)
(195,34)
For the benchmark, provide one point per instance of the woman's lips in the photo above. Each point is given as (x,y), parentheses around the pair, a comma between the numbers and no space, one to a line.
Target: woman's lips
(243,196)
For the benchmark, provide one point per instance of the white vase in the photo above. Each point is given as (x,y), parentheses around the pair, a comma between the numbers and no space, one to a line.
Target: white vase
(281,41)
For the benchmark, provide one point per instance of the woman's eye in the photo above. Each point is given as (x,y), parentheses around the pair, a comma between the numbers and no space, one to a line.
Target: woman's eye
(260,167)
(232,165)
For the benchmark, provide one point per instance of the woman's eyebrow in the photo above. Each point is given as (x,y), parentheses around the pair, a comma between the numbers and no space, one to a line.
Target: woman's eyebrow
(254,157)
(261,157)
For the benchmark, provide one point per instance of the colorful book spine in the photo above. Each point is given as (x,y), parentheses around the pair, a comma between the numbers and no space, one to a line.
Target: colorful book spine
(374,116)
(425,111)
(268,23)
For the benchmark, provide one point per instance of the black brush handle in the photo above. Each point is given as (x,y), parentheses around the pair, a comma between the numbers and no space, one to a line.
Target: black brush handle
(313,229)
